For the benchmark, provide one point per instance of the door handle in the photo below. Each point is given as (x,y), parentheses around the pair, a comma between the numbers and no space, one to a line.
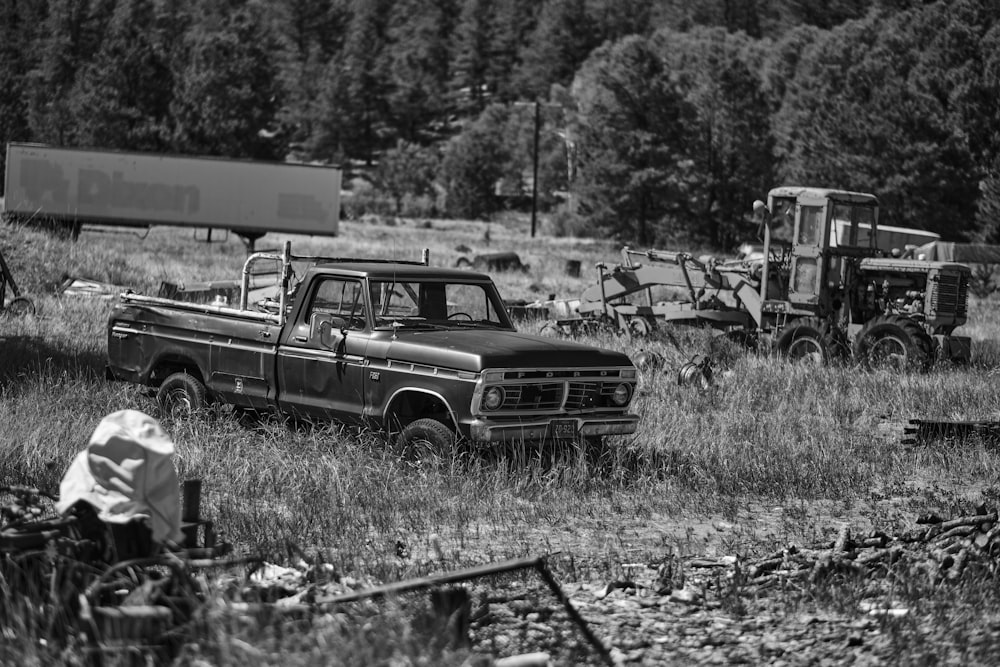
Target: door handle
(301,339)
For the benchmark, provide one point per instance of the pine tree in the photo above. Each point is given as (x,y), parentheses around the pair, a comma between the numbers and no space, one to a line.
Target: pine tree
(418,66)
(631,134)
(72,34)
(227,94)
(122,99)
(19,22)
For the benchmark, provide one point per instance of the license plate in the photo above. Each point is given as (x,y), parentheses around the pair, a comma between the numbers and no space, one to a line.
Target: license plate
(564,429)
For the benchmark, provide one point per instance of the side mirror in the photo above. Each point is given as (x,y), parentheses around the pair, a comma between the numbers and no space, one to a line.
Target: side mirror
(327,328)
(762,214)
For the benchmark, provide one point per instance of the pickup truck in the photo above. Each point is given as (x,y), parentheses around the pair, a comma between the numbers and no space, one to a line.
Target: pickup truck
(418,353)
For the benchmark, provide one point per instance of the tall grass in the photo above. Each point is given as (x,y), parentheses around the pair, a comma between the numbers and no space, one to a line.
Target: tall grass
(780,450)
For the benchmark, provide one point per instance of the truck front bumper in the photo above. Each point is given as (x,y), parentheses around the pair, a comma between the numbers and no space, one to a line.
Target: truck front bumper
(552,428)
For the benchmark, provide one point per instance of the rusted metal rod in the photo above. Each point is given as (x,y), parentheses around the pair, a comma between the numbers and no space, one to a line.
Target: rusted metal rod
(419,583)
(537,564)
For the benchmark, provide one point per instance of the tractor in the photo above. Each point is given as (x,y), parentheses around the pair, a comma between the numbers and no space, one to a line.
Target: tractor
(821,288)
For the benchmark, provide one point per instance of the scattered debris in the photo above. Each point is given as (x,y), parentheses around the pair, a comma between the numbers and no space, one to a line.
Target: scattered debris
(219,292)
(648,360)
(696,372)
(496,261)
(924,431)
(127,548)
(19,305)
(85,287)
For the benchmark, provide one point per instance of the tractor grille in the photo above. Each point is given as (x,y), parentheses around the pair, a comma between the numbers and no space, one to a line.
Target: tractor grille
(951,295)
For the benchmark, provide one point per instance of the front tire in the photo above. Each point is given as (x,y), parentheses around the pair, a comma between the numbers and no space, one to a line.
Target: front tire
(426,436)
(896,343)
(181,395)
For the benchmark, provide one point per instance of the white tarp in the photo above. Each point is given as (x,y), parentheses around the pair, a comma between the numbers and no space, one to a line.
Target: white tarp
(964,253)
(127,472)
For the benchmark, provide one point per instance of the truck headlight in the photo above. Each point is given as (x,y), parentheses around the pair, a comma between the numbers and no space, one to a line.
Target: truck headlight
(493,398)
(621,395)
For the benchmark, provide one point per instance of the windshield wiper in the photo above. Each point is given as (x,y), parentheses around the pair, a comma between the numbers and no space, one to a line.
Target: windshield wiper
(477,323)
(409,324)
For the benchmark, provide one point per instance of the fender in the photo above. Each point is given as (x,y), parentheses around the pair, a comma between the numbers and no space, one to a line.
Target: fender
(418,390)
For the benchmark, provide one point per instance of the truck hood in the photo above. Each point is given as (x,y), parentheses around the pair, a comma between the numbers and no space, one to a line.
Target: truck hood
(475,350)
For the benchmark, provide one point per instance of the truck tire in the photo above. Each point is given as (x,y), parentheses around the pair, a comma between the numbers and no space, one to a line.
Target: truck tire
(181,395)
(20,307)
(894,342)
(426,436)
(808,340)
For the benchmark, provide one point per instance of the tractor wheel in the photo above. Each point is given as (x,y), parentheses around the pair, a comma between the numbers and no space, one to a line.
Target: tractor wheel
(808,340)
(895,343)
(181,395)
(423,437)
(639,327)
(550,329)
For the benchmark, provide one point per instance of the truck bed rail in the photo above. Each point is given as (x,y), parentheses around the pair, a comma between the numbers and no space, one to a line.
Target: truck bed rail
(244,313)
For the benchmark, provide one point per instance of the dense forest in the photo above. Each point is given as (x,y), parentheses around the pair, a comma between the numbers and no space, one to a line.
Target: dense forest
(654,121)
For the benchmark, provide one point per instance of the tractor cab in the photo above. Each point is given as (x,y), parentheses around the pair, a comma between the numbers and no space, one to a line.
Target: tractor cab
(810,234)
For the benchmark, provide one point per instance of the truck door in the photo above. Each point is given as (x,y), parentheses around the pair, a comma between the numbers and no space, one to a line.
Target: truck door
(321,361)
(809,256)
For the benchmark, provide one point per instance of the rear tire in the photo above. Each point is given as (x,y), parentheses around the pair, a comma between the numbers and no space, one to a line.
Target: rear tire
(896,343)
(20,307)
(181,395)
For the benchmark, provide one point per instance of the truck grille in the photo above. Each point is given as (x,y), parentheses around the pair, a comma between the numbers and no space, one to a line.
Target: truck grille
(951,295)
(546,396)
(554,397)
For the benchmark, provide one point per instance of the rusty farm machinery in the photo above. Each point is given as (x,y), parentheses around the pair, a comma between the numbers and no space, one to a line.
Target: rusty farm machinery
(821,289)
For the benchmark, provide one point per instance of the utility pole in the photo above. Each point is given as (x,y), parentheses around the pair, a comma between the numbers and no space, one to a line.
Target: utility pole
(534,170)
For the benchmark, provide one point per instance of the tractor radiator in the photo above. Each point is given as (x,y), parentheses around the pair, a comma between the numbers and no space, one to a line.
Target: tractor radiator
(951,295)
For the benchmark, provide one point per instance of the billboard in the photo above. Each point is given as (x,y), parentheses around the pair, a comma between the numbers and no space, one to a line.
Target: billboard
(141,189)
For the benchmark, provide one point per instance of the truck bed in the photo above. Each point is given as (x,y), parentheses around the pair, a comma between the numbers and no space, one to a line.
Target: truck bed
(147,331)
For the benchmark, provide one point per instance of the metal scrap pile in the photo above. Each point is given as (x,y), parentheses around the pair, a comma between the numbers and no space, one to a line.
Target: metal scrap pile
(112,560)
(940,550)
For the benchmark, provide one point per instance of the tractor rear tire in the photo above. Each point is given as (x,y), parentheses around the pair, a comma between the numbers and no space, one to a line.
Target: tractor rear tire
(181,395)
(809,340)
(894,342)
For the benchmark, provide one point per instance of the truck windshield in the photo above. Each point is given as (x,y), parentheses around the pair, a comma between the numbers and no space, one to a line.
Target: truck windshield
(416,303)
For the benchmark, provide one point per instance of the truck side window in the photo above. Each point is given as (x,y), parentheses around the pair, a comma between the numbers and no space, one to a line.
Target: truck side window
(338,300)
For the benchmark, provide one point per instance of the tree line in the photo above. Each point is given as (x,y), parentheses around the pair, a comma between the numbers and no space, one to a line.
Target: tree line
(658,122)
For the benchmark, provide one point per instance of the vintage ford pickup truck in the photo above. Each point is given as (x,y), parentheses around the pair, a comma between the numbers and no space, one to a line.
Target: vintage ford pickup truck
(413,351)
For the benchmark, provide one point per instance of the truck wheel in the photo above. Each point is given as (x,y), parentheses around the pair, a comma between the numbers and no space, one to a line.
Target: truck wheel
(896,343)
(20,307)
(181,395)
(807,340)
(426,436)
(639,327)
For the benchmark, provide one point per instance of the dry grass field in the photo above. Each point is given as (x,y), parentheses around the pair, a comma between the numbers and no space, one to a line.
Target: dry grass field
(773,455)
